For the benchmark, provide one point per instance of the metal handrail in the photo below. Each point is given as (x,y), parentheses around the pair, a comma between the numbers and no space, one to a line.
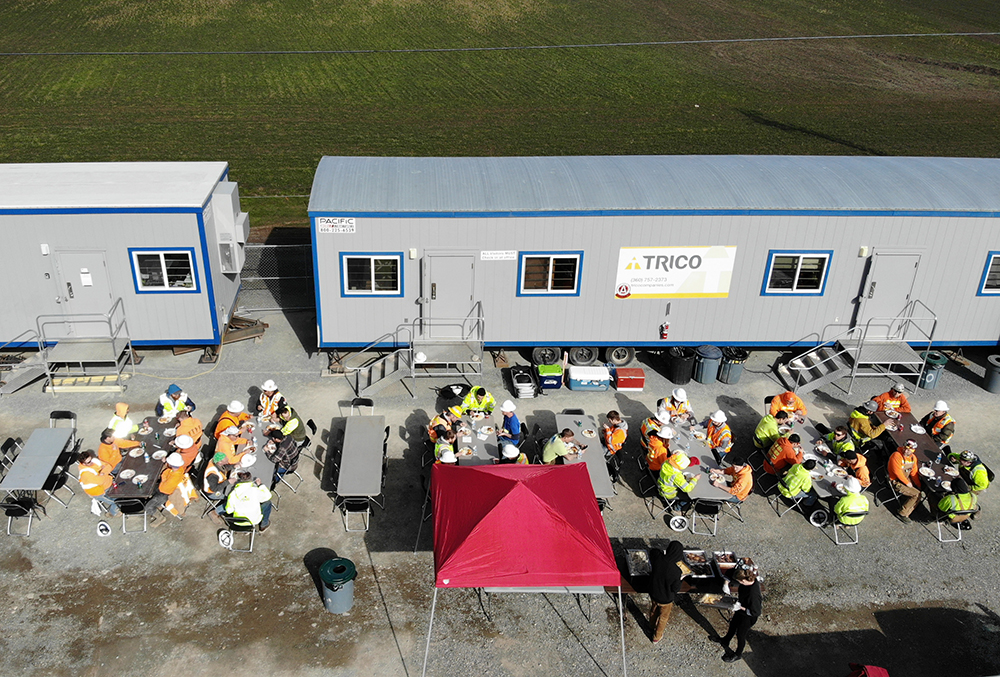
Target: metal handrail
(29,332)
(832,341)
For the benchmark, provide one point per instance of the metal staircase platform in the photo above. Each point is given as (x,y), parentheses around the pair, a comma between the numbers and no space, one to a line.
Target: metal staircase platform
(873,353)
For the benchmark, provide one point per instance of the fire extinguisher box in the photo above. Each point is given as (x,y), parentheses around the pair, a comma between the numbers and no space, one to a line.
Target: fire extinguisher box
(630,379)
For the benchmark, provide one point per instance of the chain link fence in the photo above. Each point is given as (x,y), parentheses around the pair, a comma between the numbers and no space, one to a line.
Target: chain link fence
(277,277)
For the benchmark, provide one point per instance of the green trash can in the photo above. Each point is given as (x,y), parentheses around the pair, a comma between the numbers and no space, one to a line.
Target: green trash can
(933,366)
(338,584)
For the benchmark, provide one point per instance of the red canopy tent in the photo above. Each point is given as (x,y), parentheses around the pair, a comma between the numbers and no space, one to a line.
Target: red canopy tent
(511,526)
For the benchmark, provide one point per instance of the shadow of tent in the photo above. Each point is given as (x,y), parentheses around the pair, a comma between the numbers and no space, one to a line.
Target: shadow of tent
(922,642)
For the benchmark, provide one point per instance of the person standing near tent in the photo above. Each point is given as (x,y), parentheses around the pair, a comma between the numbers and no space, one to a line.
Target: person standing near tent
(667,570)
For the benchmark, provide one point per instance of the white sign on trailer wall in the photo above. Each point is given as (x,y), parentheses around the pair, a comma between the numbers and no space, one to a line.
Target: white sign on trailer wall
(498,255)
(674,272)
(335,224)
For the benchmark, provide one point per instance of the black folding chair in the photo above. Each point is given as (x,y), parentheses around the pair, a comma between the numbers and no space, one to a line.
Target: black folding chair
(359,402)
(133,507)
(19,507)
(237,525)
(305,449)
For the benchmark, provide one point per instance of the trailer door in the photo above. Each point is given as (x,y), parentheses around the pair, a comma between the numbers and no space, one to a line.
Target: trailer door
(449,290)
(84,289)
(887,290)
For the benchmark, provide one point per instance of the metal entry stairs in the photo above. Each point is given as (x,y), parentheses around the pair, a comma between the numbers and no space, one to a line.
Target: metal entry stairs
(423,348)
(881,347)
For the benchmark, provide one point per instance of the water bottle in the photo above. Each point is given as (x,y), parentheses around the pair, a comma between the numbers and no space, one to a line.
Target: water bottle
(145,454)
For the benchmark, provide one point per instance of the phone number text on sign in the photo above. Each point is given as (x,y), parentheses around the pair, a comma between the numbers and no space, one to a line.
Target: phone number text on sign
(335,224)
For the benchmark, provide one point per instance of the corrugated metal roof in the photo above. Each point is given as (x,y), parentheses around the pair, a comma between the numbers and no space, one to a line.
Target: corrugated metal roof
(628,183)
(95,185)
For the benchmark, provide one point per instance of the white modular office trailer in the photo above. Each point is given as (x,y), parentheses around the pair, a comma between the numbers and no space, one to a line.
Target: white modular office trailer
(646,252)
(164,238)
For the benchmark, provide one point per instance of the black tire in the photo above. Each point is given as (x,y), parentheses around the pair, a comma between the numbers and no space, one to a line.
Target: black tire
(545,355)
(619,355)
(582,356)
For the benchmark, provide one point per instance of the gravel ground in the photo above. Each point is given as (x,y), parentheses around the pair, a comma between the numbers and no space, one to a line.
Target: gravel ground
(172,602)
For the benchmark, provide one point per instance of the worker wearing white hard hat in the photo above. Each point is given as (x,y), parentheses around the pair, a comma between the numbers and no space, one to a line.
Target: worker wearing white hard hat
(233,416)
(509,429)
(678,407)
(229,443)
(894,400)
(719,436)
(651,425)
(270,399)
(659,448)
(853,507)
(175,490)
(939,424)
(512,455)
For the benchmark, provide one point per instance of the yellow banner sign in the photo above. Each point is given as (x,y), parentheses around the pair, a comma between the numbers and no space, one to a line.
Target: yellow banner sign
(674,272)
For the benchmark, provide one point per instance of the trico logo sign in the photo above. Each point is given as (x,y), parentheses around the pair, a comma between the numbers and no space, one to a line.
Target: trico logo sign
(665,263)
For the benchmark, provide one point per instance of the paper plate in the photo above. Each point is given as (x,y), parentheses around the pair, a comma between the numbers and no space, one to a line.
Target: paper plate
(589,433)
(465,451)
(926,472)
(948,470)
(144,431)
(839,472)
(159,455)
(784,429)
(170,432)
(918,429)
(126,474)
(946,485)
(136,453)
(164,420)
(487,429)
(700,436)
(139,479)
(248,460)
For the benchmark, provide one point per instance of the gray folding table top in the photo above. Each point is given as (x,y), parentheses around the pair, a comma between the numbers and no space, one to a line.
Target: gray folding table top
(699,449)
(485,449)
(361,461)
(593,456)
(34,464)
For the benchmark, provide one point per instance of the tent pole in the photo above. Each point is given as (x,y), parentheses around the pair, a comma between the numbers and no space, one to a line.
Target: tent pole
(431,627)
(621,624)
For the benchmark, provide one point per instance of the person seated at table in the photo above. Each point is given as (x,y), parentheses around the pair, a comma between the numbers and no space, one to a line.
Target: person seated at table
(234,416)
(956,500)
(559,446)
(270,400)
(172,401)
(939,424)
(284,453)
(250,500)
(510,426)
(742,479)
(216,482)
(785,452)
(478,399)
(904,476)
(96,479)
(839,440)
(187,448)
(851,502)
(865,428)
(291,424)
(650,426)
(677,406)
(448,457)
(720,437)
(170,482)
(768,430)
(790,403)
(797,483)
(110,449)
(228,441)
(445,442)
(190,426)
(614,433)
(512,454)
(121,423)
(659,449)
(857,465)
(667,568)
(671,482)
(973,471)
(894,399)
(440,423)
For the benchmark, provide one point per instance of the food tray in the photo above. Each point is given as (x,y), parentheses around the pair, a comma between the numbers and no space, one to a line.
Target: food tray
(699,563)
(714,599)
(638,562)
(725,559)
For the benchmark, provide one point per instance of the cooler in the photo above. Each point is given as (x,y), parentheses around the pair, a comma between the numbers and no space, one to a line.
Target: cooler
(550,376)
(630,379)
(589,378)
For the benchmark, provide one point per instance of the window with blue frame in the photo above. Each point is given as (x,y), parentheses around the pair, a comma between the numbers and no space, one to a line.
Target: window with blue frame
(990,283)
(549,273)
(796,272)
(371,274)
(164,270)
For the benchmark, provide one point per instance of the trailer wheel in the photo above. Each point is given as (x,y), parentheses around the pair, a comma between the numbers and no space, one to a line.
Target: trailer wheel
(582,356)
(545,355)
(619,356)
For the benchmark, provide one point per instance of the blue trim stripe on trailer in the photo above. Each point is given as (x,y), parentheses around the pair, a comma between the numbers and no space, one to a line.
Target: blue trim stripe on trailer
(655,346)
(316,272)
(216,336)
(656,212)
(103,210)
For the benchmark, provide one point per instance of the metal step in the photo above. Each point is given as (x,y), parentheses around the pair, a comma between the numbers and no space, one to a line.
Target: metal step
(20,378)
(384,372)
(821,366)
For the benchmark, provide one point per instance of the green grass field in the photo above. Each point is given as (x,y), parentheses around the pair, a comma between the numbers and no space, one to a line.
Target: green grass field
(273,116)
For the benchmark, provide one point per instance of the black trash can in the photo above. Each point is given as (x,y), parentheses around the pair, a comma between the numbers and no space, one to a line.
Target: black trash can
(935,362)
(338,584)
(992,380)
(679,364)
(706,366)
(732,364)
